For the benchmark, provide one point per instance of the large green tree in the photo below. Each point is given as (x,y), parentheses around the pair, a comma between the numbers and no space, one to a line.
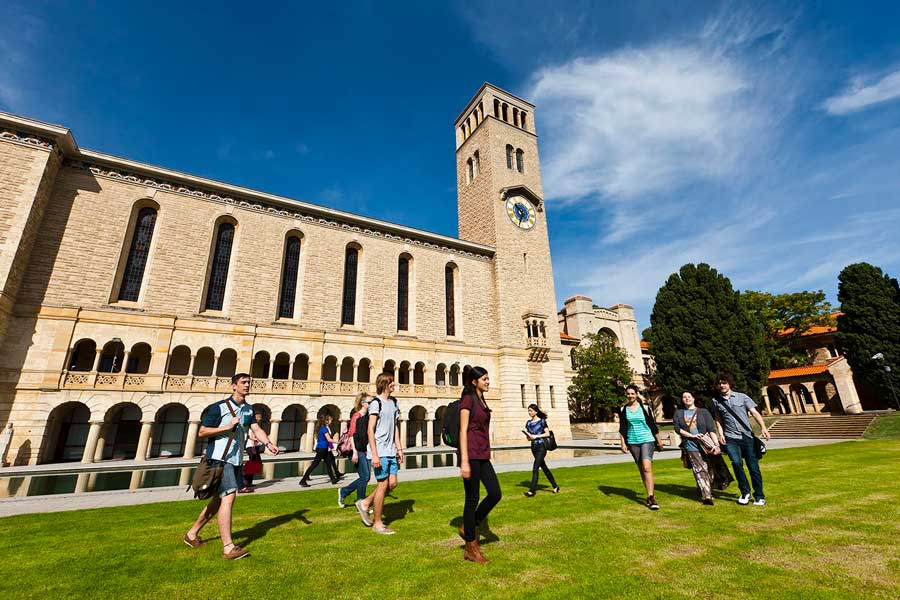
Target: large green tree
(699,326)
(598,387)
(786,317)
(870,324)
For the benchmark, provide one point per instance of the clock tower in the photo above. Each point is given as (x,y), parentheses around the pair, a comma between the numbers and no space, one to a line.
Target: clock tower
(500,204)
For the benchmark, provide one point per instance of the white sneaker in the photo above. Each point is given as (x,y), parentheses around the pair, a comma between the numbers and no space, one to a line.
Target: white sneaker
(760,502)
(744,500)
(341,499)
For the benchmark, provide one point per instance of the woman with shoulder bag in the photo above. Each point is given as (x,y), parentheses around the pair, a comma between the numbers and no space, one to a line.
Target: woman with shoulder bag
(253,466)
(640,436)
(698,431)
(537,432)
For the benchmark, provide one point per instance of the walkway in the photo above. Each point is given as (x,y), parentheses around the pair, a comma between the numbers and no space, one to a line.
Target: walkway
(63,502)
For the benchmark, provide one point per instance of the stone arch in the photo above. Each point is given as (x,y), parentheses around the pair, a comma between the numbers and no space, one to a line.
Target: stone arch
(346,373)
(329,369)
(415,426)
(227,365)
(301,368)
(364,371)
(419,374)
(437,425)
(282,367)
(169,431)
(111,357)
(262,414)
(333,410)
(293,427)
(83,355)
(260,366)
(203,362)
(777,400)
(139,359)
(403,373)
(440,375)
(610,335)
(802,397)
(390,366)
(828,397)
(66,433)
(179,361)
(122,430)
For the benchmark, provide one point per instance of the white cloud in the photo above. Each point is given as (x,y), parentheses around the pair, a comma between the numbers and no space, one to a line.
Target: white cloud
(642,121)
(858,96)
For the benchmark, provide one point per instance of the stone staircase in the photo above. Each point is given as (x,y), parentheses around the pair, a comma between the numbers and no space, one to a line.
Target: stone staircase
(822,426)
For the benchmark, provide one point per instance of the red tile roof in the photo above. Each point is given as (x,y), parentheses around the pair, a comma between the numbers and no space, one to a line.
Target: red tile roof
(645,345)
(566,336)
(803,371)
(817,329)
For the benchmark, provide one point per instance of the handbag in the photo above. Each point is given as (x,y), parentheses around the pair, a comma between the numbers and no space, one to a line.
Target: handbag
(550,442)
(208,475)
(706,443)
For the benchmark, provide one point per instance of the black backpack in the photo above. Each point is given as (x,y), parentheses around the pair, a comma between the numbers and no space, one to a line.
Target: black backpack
(361,435)
(450,425)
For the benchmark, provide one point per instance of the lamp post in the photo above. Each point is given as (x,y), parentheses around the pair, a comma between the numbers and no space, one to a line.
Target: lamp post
(887,373)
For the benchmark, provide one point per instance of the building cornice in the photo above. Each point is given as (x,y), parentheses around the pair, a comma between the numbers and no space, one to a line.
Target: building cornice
(49,136)
(484,86)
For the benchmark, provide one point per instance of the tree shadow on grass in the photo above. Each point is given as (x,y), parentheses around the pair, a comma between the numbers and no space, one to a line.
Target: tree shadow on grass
(395,511)
(248,536)
(485,535)
(630,494)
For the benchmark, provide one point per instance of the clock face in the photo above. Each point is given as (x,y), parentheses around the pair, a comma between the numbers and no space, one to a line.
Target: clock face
(521,212)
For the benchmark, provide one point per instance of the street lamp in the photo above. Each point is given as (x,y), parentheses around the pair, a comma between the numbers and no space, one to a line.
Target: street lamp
(887,373)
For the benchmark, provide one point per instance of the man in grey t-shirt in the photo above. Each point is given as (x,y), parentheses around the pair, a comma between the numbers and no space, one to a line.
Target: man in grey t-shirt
(732,411)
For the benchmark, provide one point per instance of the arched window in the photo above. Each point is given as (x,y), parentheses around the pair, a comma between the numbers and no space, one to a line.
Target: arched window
(496,108)
(520,161)
(509,156)
(111,357)
(505,108)
(83,355)
(218,274)
(348,310)
(440,375)
(364,371)
(403,373)
(329,369)
(454,375)
(477,158)
(227,365)
(522,120)
(516,117)
(470,171)
(203,362)
(179,361)
(138,359)
(259,369)
(419,374)
(403,294)
(138,253)
(282,367)
(301,367)
(289,275)
(347,369)
(390,367)
(450,304)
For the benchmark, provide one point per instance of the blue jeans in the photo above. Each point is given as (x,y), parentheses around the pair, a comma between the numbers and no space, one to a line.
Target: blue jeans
(364,470)
(739,450)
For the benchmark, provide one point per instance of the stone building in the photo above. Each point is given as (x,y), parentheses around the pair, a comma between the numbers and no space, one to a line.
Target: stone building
(130,293)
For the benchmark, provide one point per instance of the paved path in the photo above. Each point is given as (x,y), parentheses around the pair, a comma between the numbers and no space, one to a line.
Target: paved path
(63,502)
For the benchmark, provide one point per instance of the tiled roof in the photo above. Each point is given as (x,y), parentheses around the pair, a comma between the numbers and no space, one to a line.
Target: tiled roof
(803,371)
(645,345)
(566,336)
(817,329)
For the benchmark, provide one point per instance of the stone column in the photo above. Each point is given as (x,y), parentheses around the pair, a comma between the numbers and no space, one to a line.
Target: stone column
(90,446)
(143,449)
(190,442)
(191,365)
(426,435)
(269,468)
(215,369)
(97,360)
(815,400)
(765,398)
(403,436)
(309,438)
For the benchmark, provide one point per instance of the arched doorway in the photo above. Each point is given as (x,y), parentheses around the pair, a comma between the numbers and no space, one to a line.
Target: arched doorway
(122,431)
(67,431)
(169,431)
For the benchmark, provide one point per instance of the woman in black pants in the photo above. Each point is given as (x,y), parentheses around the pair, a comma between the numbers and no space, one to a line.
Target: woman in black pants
(537,431)
(323,452)
(475,458)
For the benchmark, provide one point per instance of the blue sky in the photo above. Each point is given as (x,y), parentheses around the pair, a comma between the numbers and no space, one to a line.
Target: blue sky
(760,138)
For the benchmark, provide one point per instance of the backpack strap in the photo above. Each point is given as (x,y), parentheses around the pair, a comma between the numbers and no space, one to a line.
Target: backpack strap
(231,434)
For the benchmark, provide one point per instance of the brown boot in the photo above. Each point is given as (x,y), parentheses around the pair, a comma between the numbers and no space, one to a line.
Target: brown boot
(462,533)
(473,553)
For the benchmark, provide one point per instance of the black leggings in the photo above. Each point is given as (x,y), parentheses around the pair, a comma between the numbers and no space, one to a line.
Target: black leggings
(473,513)
(540,453)
(330,464)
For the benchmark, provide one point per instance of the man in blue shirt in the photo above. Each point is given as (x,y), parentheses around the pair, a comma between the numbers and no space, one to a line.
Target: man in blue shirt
(227,422)
(731,410)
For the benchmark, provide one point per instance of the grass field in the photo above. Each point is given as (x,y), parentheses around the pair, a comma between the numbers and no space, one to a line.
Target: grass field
(831,530)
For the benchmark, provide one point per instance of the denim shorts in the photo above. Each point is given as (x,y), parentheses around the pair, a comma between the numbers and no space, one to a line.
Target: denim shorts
(389,466)
(231,475)
(642,451)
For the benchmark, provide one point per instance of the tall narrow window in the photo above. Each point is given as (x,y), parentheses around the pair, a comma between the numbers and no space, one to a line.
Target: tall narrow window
(552,398)
(509,157)
(470,171)
(516,117)
(403,294)
(522,391)
(496,108)
(450,304)
(477,158)
(348,310)
(506,112)
(137,255)
(289,276)
(520,161)
(218,275)
(522,120)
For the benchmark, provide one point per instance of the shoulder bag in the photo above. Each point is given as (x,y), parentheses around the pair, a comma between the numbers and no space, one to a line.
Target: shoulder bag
(759,446)
(208,475)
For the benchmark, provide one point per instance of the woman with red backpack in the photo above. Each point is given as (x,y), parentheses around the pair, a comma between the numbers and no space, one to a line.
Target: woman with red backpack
(475,459)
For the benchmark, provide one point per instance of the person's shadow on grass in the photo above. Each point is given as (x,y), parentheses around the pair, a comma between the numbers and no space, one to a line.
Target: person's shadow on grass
(485,535)
(628,493)
(395,511)
(527,485)
(259,530)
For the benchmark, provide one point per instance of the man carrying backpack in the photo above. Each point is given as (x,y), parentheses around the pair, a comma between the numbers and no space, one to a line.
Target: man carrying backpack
(385,451)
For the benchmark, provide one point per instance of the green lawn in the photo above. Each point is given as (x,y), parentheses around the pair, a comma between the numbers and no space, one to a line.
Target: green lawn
(885,428)
(831,530)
